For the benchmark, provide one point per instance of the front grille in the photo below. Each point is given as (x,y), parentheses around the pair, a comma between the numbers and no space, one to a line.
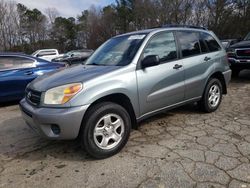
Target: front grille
(243,53)
(33,97)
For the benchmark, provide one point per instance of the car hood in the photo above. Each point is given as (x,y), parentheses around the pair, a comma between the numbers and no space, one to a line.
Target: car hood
(80,73)
(242,44)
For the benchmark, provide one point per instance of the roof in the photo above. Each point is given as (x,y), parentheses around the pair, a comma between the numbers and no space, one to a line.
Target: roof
(140,32)
(184,26)
(45,49)
(22,55)
(168,26)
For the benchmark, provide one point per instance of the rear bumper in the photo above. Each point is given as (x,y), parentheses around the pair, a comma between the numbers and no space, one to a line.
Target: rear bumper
(42,120)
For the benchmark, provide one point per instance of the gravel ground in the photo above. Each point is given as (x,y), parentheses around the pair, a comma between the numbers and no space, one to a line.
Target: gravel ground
(180,148)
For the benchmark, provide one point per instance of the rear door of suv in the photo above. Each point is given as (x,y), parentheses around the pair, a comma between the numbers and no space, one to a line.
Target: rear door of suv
(162,85)
(198,53)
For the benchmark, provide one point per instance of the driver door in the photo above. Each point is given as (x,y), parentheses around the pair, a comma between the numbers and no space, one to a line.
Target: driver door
(162,85)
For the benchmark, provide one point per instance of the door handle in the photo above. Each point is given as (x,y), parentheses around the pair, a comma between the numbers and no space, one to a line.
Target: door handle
(177,66)
(207,58)
(29,73)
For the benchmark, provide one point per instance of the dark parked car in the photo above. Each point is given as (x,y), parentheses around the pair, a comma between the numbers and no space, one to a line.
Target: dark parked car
(74,57)
(239,55)
(229,42)
(17,70)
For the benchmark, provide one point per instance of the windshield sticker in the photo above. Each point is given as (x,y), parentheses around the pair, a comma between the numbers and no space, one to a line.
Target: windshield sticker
(136,37)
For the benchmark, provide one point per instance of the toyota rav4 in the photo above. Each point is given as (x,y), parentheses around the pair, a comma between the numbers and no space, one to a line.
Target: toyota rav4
(129,78)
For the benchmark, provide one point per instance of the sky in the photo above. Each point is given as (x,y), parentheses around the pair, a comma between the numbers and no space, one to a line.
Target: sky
(66,8)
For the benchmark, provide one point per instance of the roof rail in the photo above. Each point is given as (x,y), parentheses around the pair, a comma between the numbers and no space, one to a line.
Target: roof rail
(186,26)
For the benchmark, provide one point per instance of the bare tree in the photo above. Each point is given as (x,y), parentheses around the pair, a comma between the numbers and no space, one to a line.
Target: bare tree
(24,29)
(8,25)
(52,13)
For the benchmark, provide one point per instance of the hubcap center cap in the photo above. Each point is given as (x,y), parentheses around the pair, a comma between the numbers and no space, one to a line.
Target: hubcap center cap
(108,130)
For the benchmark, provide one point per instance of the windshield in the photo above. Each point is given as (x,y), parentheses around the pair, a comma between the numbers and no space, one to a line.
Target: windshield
(247,37)
(118,51)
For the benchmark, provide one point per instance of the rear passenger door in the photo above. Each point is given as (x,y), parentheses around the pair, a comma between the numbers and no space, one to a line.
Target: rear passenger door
(197,60)
(162,85)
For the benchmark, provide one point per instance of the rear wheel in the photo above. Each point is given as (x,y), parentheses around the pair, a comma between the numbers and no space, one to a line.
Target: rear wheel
(212,96)
(105,130)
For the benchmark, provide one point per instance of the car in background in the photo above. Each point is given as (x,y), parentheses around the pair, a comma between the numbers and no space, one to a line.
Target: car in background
(226,43)
(17,70)
(74,57)
(239,55)
(47,54)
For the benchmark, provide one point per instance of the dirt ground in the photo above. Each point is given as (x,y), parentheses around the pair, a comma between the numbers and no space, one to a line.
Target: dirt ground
(180,148)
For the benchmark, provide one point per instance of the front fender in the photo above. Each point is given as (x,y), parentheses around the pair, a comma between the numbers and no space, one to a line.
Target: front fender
(97,89)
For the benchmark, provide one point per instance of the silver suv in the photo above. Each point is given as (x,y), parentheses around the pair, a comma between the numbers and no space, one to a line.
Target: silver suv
(129,78)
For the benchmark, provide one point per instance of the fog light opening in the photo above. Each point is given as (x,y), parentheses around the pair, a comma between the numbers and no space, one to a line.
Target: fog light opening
(55,129)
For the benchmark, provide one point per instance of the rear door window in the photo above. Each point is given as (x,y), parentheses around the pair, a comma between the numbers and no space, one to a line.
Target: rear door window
(15,62)
(163,45)
(211,43)
(203,45)
(189,43)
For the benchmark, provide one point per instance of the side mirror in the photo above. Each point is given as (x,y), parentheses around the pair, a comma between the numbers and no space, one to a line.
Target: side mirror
(149,61)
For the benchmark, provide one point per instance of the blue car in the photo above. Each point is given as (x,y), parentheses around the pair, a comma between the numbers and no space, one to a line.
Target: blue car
(17,70)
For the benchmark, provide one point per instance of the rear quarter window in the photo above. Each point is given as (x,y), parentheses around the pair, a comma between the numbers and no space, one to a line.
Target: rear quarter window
(210,41)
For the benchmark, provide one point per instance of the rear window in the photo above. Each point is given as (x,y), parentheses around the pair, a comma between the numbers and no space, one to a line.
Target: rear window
(15,62)
(45,53)
(189,42)
(211,43)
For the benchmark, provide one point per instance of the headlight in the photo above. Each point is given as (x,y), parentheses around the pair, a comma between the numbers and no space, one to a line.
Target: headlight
(62,94)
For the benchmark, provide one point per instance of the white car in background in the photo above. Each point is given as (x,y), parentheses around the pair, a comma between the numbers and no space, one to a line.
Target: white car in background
(47,54)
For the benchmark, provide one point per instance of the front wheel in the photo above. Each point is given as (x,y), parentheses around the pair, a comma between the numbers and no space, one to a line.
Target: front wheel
(106,130)
(212,96)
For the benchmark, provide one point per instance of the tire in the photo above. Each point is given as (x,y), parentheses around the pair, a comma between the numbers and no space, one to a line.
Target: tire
(105,130)
(208,102)
(235,72)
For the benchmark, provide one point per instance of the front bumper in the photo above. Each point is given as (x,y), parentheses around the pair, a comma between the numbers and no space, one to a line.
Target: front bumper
(42,120)
(239,63)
